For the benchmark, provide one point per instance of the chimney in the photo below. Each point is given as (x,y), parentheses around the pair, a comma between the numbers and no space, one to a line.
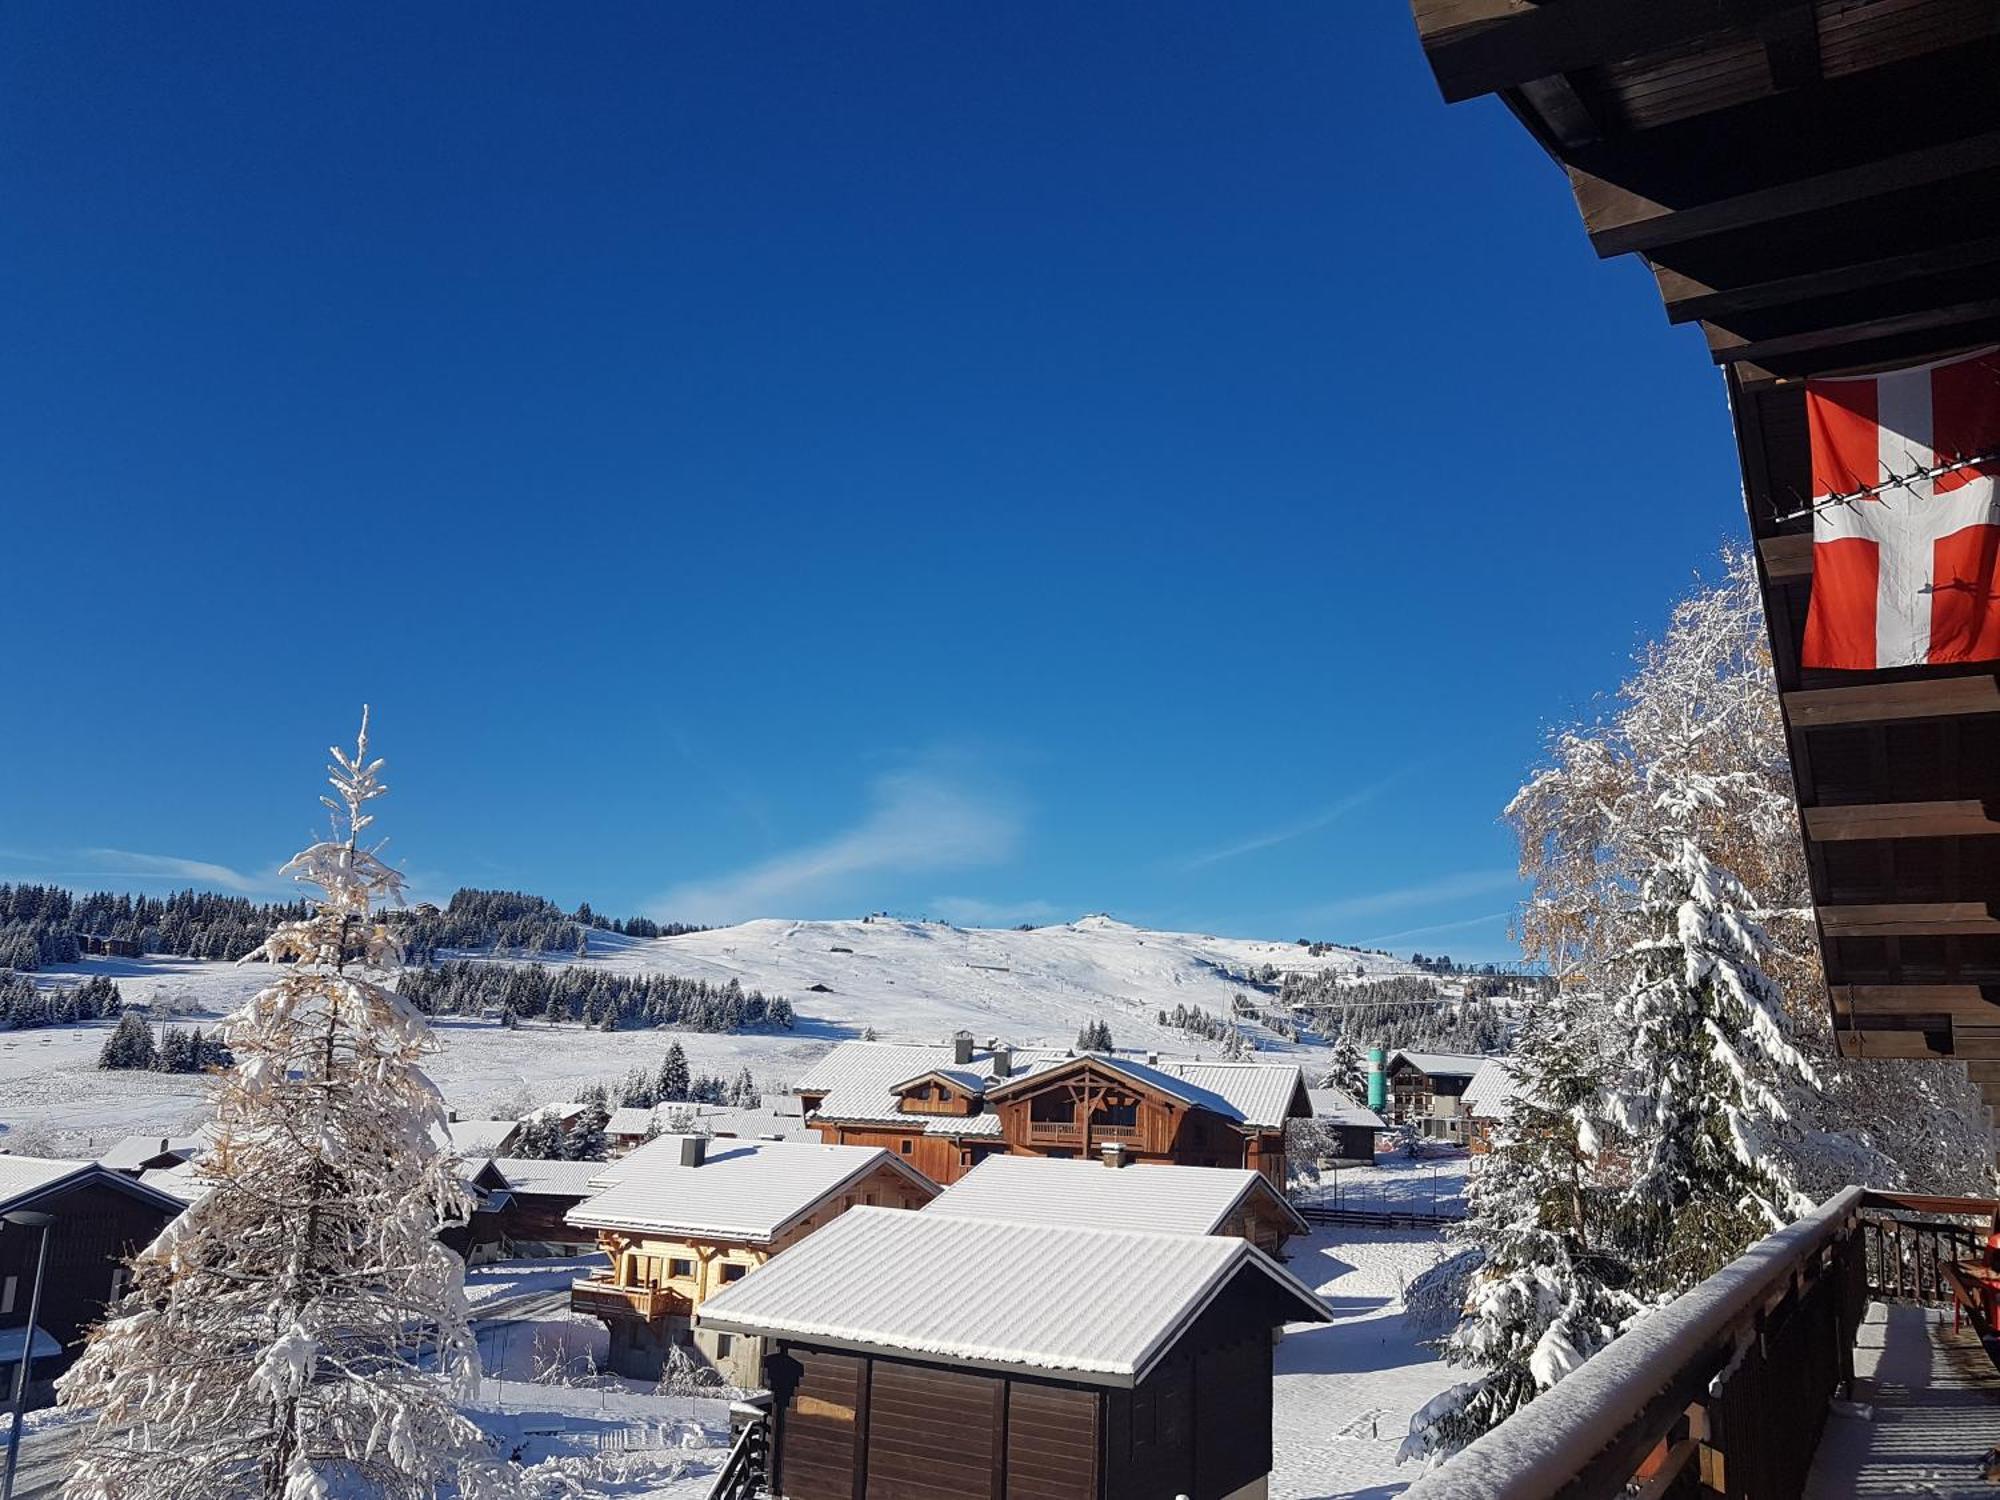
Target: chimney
(694,1150)
(1114,1153)
(1003,1060)
(451,1115)
(1153,1058)
(163,1145)
(961,1048)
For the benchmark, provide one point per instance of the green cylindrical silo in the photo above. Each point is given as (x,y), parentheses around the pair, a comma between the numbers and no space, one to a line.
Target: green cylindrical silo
(1378,1080)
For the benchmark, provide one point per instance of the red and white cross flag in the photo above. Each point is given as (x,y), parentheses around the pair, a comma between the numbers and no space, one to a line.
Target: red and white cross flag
(1905,576)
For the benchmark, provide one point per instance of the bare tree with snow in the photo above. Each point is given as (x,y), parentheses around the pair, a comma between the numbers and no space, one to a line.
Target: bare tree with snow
(299,1332)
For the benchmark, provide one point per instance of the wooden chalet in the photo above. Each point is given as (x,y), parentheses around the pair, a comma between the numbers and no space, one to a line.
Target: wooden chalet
(688,1216)
(1159,1199)
(933,1357)
(1351,1126)
(101,1218)
(530,1204)
(1428,1089)
(1814,185)
(945,1109)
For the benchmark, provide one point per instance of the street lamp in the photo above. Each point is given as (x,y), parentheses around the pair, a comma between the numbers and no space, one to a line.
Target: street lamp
(22,1218)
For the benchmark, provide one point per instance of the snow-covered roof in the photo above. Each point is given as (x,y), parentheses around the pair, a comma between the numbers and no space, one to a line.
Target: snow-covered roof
(1261,1094)
(859,1078)
(555,1179)
(134,1151)
(1337,1107)
(21,1175)
(1097,1305)
(1491,1093)
(1158,1197)
(758,1124)
(23,1179)
(860,1082)
(1439,1064)
(481,1137)
(46,1345)
(629,1119)
(743,1190)
(183,1182)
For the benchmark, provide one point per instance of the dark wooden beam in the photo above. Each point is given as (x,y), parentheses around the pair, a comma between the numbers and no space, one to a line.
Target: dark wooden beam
(1906,1046)
(1911,919)
(1787,556)
(1482,46)
(1726,348)
(1918,1000)
(1620,219)
(1886,702)
(1901,820)
(1689,299)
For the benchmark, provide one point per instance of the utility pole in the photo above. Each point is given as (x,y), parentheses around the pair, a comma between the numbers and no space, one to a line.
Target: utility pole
(23,1218)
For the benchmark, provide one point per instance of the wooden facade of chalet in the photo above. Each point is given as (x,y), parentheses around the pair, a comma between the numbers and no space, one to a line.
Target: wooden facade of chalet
(101,1218)
(658,1277)
(1426,1089)
(850,1423)
(1076,1109)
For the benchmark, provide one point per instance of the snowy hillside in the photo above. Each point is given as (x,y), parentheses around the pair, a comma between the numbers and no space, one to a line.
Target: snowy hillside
(920,980)
(912,981)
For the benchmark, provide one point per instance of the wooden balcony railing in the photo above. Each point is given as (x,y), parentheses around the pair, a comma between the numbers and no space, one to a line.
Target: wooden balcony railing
(1741,1366)
(1067,1133)
(1055,1132)
(599,1296)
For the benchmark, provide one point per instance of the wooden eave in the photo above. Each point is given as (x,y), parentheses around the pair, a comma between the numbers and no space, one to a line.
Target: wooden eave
(1816,185)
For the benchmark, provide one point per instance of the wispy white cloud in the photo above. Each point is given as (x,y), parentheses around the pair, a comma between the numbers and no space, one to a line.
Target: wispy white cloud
(1454,887)
(1332,813)
(1376,940)
(971,910)
(917,820)
(131,865)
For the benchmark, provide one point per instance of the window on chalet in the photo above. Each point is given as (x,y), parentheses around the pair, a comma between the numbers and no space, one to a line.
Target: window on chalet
(7,1289)
(1052,1109)
(723,1344)
(1118,1114)
(906,1145)
(733,1271)
(680,1268)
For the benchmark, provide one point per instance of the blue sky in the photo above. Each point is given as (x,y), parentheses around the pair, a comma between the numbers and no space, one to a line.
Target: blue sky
(998,462)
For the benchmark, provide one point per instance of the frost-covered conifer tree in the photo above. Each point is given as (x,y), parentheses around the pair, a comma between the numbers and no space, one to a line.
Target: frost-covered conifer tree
(1347,1073)
(1705,1029)
(1552,1286)
(298,1332)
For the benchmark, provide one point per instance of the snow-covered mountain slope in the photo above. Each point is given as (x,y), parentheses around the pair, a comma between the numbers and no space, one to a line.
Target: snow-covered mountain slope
(919,981)
(905,981)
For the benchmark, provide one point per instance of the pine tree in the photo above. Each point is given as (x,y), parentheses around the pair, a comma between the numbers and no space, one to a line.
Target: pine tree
(674,1080)
(585,1139)
(130,1044)
(266,1347)
(1552,1288)
(1704,1031)
(1347,1072)
(540,1137)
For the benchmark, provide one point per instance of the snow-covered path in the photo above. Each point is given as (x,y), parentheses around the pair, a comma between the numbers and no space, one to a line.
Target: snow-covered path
(1346,1390)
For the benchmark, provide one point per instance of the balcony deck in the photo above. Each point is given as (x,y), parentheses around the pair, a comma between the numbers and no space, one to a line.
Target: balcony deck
(1935,1402)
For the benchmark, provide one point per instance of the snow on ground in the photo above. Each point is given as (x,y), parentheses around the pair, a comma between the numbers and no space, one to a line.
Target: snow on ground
(1346,1390)
(511,1280)
(1433,1183)
(909,981)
